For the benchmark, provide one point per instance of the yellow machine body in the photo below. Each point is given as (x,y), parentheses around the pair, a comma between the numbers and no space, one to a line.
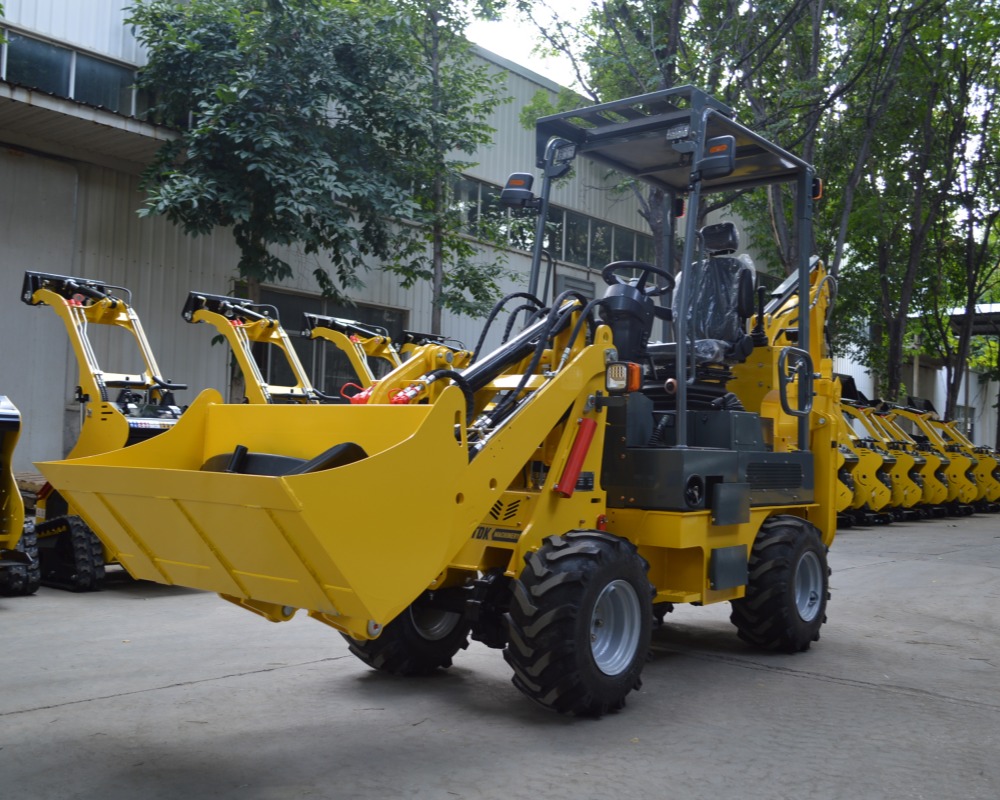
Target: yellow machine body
(117,409)
(959,470)
(11,504)
(243,325)
(905,490)
(873,490)
(933,478)
(327,541)
(569,462)
(987,468)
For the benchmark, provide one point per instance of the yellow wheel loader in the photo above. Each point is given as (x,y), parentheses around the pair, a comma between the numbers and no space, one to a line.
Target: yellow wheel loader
(933,476)
(117,409)
(420,354)
(244,324)
(561,491)
(869,479)
(19,571)
(986,471)
(902,464)
(359,343)
(960,469)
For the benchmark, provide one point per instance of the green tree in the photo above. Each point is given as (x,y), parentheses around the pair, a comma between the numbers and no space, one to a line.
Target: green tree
(306,122)
(771,61)
(926,198)
(881,96)
(456,96)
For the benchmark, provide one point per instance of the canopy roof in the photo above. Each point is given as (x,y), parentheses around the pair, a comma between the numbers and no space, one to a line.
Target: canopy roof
(649,137)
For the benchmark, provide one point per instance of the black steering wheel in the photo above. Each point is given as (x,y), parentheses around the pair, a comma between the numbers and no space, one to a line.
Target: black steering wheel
(612,278)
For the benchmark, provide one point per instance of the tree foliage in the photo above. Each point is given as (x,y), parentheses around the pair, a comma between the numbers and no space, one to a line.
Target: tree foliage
(303,122)
(457,96)
(894,102)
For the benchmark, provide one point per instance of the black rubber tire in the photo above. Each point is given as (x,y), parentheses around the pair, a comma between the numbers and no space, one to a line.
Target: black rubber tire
(74,559)
(552,622)
(418,642)
(788,559)
(22,581)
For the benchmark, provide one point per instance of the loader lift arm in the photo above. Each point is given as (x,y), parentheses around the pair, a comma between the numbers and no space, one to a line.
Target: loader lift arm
(243,324)
(143,407)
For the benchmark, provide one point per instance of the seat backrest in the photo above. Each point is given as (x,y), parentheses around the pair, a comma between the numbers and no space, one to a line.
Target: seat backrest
(720,295)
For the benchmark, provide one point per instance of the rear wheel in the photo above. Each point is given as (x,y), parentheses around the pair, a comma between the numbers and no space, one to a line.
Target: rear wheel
(419,641)
(789,585)
(579,623)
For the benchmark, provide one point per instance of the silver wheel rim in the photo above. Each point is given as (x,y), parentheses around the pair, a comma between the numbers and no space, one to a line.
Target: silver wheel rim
(433,624)
(615,627)
(808,586)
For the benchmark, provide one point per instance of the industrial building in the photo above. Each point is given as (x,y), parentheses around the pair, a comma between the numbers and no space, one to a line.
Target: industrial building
(72,147)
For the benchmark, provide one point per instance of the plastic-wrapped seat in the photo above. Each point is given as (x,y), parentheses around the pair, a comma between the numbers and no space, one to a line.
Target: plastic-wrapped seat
(720,300)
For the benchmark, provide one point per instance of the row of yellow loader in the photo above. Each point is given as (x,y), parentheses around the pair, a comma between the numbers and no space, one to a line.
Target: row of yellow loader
(120,409)
(552,497)
(901,461)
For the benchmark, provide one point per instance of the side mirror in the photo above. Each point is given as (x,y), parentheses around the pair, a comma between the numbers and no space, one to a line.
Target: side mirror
(719,159)
(517,191)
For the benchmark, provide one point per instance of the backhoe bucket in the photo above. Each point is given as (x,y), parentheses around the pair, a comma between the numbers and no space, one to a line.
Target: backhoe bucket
(346,534)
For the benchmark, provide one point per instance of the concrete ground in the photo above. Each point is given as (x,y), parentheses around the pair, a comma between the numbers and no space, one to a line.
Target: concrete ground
(145,691)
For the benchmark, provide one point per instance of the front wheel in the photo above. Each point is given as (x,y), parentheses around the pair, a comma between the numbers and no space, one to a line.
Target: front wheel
(788,588)
(419,641)
(579,623)
(20,581)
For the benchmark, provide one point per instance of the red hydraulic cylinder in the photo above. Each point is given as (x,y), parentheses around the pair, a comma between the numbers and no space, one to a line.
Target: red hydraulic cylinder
(577,453)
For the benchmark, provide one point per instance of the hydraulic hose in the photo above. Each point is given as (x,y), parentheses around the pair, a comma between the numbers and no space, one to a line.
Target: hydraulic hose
(496,311)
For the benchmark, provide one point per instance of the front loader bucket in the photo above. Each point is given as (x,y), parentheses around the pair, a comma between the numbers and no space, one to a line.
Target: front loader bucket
(356,542)
(11,505)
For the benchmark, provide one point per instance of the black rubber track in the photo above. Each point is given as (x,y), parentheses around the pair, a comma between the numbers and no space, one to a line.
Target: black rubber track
(549,622)
(74,559)
(767,617)
(21,581)
(402,649)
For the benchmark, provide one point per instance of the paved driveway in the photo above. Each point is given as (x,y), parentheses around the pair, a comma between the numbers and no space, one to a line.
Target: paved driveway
(144,691)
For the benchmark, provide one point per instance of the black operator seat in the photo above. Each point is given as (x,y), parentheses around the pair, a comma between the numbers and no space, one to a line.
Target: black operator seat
(720,301)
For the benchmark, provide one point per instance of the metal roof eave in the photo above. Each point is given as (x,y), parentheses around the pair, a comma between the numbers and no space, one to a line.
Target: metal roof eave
(985,319)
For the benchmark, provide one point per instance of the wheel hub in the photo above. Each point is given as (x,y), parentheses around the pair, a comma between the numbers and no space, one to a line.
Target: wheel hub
(615,627)
(808,586)
(433,624)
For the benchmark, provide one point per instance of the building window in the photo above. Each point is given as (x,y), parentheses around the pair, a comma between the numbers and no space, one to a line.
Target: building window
(569,235)
(644,250)
(100,83)
(63,72)
(624,249)
(577,236)
(38,65)
(465,201)
(554,232)
(600,243)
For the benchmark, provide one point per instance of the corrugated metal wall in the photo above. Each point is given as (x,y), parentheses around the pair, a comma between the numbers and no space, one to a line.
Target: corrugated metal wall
(76,219)
(587,190)
(97,25)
